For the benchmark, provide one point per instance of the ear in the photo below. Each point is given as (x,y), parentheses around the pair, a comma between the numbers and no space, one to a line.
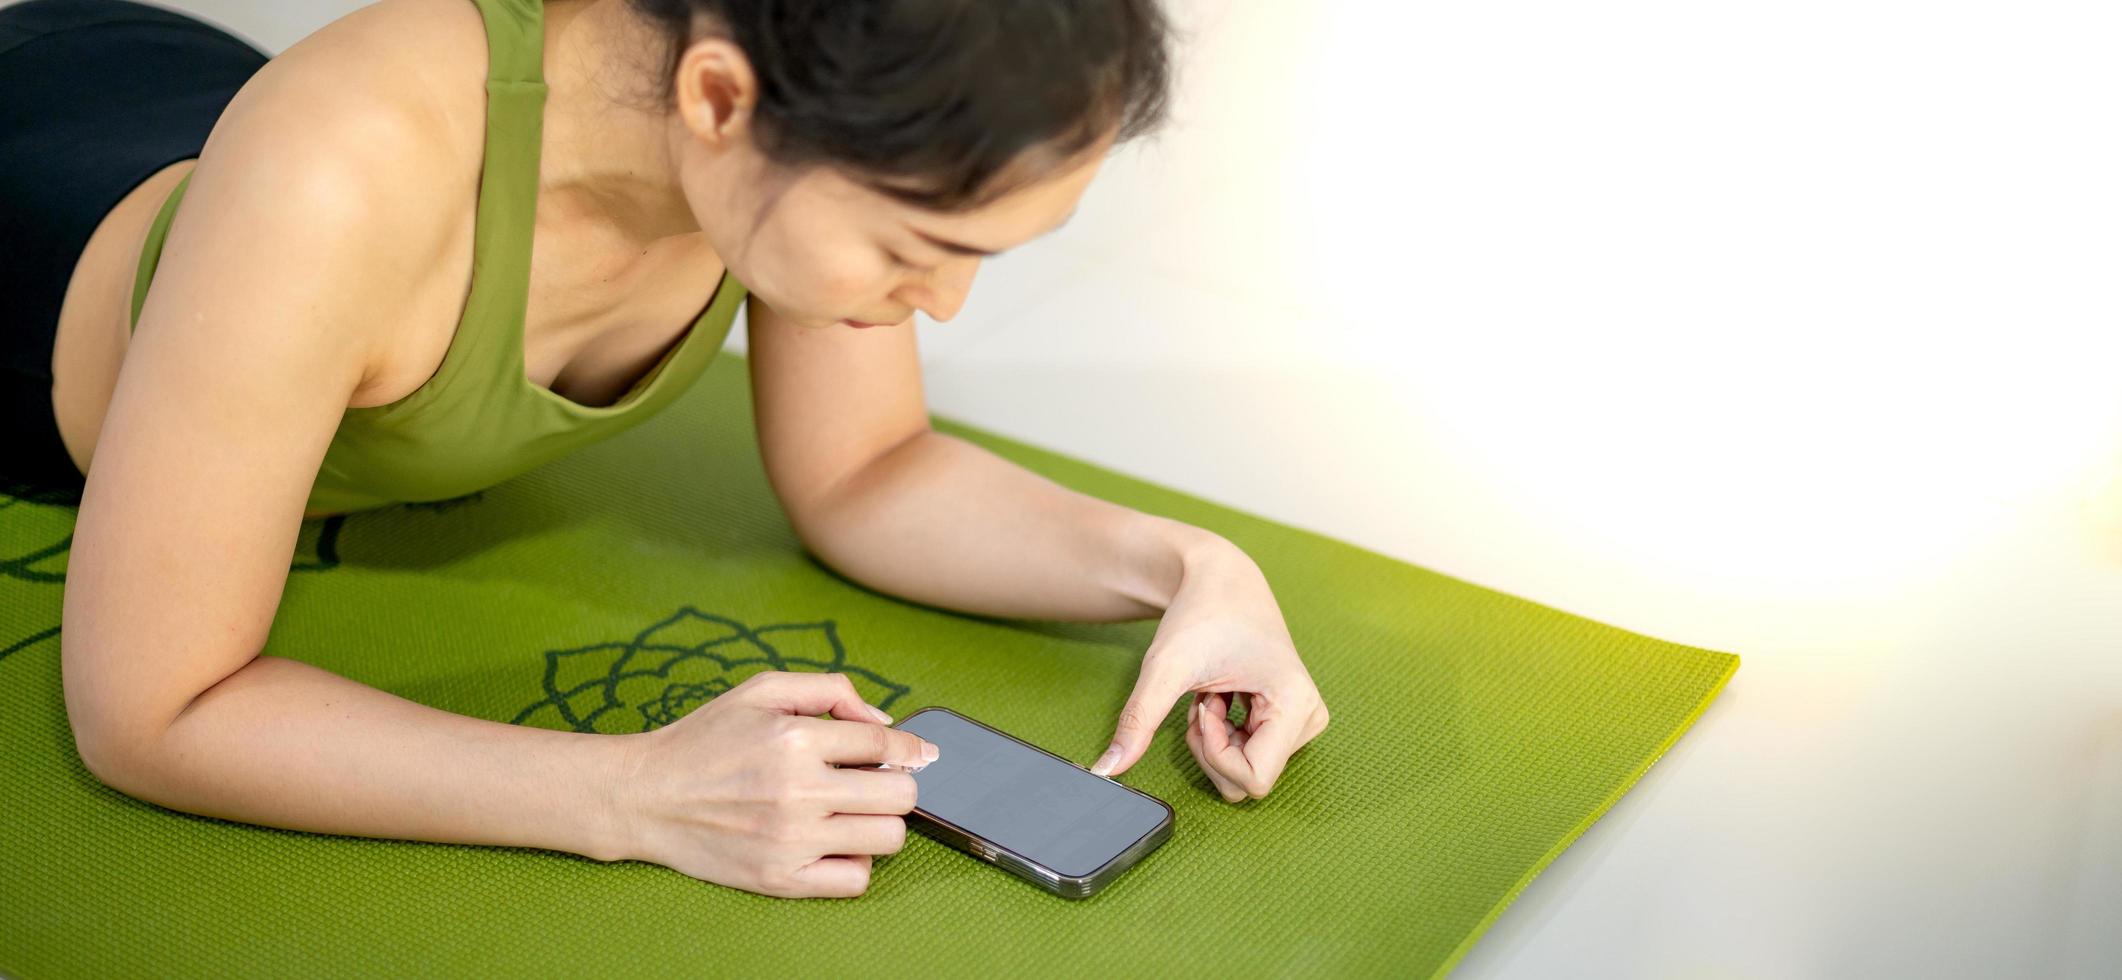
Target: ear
(715,90)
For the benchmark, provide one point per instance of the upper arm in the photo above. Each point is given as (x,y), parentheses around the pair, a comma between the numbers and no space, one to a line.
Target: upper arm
(257,328)
(828,401)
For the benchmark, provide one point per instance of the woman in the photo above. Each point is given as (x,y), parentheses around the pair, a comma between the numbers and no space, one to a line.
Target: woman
(439,242)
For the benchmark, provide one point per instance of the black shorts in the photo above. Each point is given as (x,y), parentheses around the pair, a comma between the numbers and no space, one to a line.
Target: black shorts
(95,97)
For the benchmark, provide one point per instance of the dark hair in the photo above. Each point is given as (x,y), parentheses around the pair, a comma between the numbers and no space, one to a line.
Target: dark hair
(943,104)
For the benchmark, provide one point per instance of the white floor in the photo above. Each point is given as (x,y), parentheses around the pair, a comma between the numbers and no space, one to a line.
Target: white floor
(1785,329)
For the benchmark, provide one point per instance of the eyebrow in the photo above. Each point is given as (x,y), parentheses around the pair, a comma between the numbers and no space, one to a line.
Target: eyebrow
(959,248)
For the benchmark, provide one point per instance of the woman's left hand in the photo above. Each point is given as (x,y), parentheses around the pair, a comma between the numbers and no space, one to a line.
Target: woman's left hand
(1223,637)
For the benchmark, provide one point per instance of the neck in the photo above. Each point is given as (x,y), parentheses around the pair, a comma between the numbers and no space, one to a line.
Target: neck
(607,159)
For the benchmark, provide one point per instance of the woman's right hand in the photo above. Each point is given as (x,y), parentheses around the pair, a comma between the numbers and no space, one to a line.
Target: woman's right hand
(743,791)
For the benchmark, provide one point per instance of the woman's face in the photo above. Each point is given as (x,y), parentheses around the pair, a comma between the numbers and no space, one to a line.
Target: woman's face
(822,249)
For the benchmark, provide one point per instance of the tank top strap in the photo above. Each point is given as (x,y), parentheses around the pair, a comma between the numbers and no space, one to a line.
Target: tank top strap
(486,352)
(515,40)
(151,249)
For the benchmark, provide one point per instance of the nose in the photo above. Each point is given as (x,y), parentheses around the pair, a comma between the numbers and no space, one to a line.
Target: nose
(941,294)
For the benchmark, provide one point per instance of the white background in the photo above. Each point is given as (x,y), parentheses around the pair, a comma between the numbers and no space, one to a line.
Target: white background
(1788,329)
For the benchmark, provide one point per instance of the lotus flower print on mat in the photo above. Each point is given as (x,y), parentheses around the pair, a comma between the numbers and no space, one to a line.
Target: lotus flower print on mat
(678,664)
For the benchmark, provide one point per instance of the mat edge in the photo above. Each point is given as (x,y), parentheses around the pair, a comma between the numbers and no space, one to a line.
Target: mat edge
(1686,724)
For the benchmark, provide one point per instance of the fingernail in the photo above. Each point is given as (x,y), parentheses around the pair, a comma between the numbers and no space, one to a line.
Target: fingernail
(879,712)
(1201,716)
(929,753)
(1105,762)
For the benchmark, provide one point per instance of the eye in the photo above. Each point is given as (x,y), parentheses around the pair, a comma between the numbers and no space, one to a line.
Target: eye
(902,263)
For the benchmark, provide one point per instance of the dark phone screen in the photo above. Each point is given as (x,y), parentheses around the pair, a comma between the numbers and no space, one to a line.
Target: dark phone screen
(1034,804)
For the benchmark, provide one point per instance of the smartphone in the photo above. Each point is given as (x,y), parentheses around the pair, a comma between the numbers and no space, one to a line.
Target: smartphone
(1033,813)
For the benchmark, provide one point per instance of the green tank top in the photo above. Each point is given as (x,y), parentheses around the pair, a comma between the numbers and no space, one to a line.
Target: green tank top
(480,420)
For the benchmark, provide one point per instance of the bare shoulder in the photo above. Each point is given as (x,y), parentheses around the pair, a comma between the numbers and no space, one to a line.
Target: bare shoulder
(433,52)
(397,85)
(374,125)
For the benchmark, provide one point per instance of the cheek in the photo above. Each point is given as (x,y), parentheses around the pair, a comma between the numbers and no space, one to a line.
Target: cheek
(843,282)
(826,282)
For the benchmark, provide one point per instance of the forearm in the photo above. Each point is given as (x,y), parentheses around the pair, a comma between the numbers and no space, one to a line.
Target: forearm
(942,521)
(285,744)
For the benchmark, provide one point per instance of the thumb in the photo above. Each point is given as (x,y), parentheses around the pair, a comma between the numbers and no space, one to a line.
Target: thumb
(1156,689)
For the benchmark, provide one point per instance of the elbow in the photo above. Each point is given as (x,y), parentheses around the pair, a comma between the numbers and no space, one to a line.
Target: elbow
(117,746)
(826,553)
(807,535)
(122,726)
(117,759)
(818,536)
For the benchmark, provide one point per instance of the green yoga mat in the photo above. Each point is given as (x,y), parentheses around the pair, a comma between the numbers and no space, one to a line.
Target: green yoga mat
(1475,736)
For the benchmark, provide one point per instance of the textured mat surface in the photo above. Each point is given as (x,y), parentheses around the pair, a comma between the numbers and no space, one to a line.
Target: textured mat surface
(1475,735)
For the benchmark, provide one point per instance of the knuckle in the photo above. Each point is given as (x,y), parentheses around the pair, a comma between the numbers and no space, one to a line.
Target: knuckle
(909,793)
(793,739)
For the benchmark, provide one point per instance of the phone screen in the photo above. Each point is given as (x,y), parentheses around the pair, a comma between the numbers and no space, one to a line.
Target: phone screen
(1018,797)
